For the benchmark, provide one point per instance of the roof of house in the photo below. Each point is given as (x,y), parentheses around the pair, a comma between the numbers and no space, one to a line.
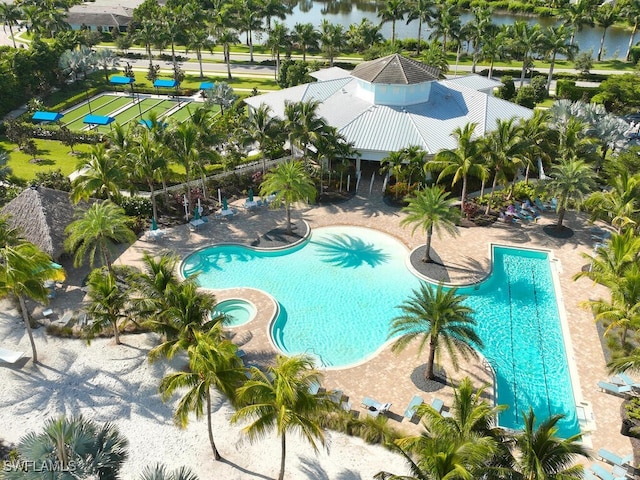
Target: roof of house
(476,82)
(395,69)
(384,128)
(42,214)
(103,15)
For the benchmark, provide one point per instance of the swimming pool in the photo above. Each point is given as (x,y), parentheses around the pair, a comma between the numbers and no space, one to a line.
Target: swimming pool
(338,291)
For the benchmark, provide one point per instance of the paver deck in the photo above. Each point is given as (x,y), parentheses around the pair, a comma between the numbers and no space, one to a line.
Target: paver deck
(397,378)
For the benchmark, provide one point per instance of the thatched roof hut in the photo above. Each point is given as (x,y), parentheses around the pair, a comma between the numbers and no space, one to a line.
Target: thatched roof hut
(42,214)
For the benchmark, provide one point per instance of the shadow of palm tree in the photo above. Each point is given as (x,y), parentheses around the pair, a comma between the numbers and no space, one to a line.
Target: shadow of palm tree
(75,386)
(311,468)
(211,258)
(348,251)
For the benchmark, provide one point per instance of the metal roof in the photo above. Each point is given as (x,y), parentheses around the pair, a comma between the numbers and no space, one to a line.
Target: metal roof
(477,82)
(380,128)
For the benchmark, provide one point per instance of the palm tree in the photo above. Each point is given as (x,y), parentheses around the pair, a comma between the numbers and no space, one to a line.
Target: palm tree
(619,205)
(428,209)
(187,312)
(623,310)
(605,16)
(578,14)
(331,39)
(148,161)
(262,127)
(10,14)
(570,181)
(278,39)
(100,176)
(631,11)
(97,229)
(23,270)
(423,12)
(249,17)
(478,31)
(541,454)
(280,399)
(106,303)
(153,284)
(160,472)
(555,41)
(106,58)
(222,95)
(504,146)
(527,40)
(306,37)
(468,441)
(438,319)
(146,33)
(94,451)
(226,38)
(613,259)
(212,364)
(446,24)
(303,124)
(199,40)
(392,11)
(185,146)
(291,184)
(461,162)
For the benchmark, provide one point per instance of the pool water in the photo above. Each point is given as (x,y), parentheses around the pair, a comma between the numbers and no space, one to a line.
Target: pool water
(237,311)
(338,292)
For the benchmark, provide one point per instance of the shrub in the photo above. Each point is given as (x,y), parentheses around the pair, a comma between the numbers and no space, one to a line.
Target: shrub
(526,97)
(136,206)
(53,179)
(539,85)
(508,89)
(634,54)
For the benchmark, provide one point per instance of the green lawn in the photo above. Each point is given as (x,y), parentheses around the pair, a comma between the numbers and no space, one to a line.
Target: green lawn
(81,111)
(52,155)
(107,109)
(146,106)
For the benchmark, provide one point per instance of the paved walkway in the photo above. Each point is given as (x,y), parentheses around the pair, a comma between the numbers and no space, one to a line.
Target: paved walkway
(396,378)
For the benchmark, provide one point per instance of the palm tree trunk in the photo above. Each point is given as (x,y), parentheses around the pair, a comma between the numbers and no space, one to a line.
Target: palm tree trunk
(116,333)
(561,212)
(154,207)
(228,58)
(631,39)
(601,49)
(289,229)
(524,69)
(106,258)
(216,454)
(27,324)
(249,34)
(493,189)
(491,69)
(419,36)
(427,252)
(14,40)
(464,193)
(553,62)
(199,55)
(429,374)
(283,442)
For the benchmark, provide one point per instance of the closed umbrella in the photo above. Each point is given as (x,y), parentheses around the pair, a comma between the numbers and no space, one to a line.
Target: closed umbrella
(224,204)
(154,224)
(251,194)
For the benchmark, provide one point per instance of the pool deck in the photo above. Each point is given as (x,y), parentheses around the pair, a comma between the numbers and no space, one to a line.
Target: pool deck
(397,378)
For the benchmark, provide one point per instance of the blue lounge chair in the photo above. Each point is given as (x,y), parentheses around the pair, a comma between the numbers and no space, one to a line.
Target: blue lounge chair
(605,474)
(374,407)
(437,405)
(613,458)
(554,204)
(541,206)
(614,389)
(415,402)
(589,475)
(624,379)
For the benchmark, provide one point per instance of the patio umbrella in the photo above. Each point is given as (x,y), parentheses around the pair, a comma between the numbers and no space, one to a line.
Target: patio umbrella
(154,224)
(59,273)
(251,194)
(224,204)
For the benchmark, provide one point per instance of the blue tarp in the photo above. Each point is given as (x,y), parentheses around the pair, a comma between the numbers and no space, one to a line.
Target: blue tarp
(119,80)
(40,116)
(98,120)
(206,85)
(147,123)
(165,83)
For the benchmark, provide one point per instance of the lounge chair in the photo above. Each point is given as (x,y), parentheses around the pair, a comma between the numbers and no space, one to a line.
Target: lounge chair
(605,474)
(624,379)
(437,405)
(613,458)
(10,356)
(589,475)
(374,407)
(541,206)
(415,402)
(554,204)
(613,388)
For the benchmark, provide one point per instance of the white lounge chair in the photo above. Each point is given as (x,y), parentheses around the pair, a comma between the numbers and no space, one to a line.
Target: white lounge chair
(10,356)
(374,407)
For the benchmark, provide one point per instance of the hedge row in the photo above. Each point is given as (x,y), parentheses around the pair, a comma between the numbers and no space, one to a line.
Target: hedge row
(568,89)
(54,132)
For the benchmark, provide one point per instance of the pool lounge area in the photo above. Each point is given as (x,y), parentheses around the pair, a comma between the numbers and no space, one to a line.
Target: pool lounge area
(397,377)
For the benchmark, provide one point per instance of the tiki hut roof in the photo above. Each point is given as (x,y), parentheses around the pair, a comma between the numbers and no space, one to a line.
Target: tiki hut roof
(42,214)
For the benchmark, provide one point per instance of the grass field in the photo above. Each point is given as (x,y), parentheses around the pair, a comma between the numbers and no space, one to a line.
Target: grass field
(146,106)
(78,114)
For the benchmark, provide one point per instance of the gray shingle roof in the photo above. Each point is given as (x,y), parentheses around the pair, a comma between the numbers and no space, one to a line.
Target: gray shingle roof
(88,14)
(395,69)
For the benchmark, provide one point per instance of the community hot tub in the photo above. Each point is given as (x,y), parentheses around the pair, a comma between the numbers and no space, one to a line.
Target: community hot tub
(237,311)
